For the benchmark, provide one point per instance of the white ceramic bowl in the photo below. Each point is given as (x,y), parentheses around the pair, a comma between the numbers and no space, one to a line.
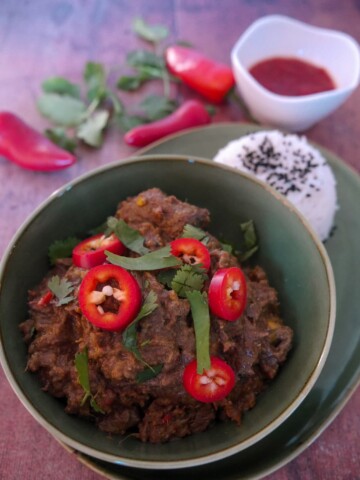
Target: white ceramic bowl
(280,36)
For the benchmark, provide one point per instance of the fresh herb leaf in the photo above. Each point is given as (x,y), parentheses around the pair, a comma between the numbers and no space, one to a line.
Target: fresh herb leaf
(95,79)
(250,240)
(249,253)
(150,304)
(131,238)
(201,318)
(150,33)
(227,247)
(62,86)
(130,339)
(148,373)
(190,231)
(127,122)
(144,59)
(187,279)
(95,406)
(59,137)
(62,289)
(148,66)
(130,83)
(62,248)
(82,368)
(61,109)
(129,334)
(91,131)
(156,107)
(81,364)
(166,277)
(156,260)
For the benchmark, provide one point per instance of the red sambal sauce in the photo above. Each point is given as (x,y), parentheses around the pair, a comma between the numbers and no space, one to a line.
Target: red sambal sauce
(291,77)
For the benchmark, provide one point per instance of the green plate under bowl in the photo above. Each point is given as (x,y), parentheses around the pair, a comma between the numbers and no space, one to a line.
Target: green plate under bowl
(296,262)
(341,374)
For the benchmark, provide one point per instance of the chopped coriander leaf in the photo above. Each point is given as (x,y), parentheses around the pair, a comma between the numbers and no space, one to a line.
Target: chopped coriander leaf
(148,373)
(156,260)
(91,131)
(187,279)
(62,289)
(129,336)
(148,72)
(151,33)
(190,231)
(127,122)
(61,109)
(95,78)
(62,86)
(157,107)
(227,247)
(81,364)
(130,237)
(82,368)
(62,248)
(144,59)
(249,253)
(250,240)
(129,83)
(248,229)
(201,318)
(166,277)
(149,305)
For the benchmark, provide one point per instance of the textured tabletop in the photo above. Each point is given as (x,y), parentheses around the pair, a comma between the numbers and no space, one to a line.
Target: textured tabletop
(43,38)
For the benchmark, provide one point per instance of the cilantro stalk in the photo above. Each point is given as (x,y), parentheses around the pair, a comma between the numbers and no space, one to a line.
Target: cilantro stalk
(82,368)
(201,318)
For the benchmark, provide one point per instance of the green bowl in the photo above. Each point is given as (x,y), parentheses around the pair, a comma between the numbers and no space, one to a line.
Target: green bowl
(293,257)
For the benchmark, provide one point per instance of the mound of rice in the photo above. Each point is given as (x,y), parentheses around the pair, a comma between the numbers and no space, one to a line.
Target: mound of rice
(293,167)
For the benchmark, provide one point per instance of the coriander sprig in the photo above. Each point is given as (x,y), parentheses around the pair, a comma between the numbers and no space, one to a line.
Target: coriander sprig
(83,112)
(62,289)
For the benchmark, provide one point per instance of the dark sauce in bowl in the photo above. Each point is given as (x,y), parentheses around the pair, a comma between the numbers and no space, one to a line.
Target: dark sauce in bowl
(291,77)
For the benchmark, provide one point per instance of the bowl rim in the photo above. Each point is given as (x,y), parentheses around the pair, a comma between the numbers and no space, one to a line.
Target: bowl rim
(288,99)
(228,451)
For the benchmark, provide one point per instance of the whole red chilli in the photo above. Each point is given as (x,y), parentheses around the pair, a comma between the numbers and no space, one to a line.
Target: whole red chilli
(23,145)
(192,113)
(213,80)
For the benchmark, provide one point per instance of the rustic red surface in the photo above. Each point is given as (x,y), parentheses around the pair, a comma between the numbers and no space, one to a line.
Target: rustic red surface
(44,38)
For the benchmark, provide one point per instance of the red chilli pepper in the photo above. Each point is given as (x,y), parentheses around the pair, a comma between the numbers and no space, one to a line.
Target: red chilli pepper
(23,145)
(213,384)
(45,299)
(191,251)
(228,293)
(191,114)
(109,297)
(91,252)
(211,79)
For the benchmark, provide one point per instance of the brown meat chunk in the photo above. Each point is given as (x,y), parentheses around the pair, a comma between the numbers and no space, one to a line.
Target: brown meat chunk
(160,218)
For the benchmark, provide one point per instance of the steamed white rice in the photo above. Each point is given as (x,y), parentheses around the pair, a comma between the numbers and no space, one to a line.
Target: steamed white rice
(293,167)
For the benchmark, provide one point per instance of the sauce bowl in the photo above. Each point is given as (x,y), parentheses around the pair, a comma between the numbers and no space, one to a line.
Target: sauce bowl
(281,36)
